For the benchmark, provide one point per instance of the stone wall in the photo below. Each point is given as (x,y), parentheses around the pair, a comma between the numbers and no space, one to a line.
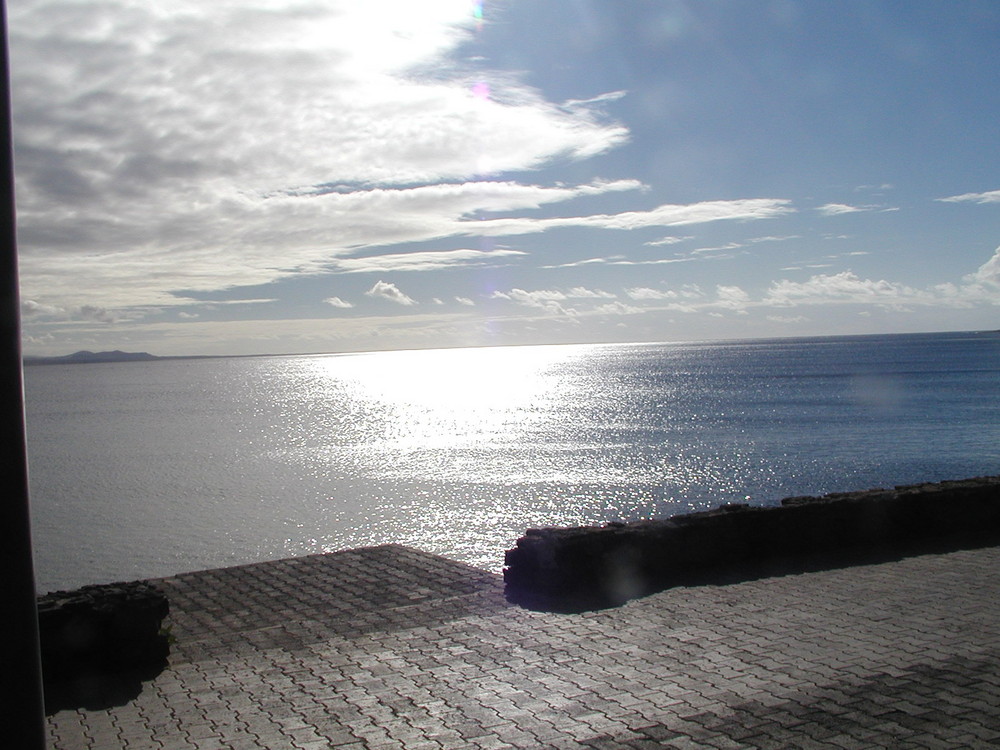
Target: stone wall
(592,567)
(99,642)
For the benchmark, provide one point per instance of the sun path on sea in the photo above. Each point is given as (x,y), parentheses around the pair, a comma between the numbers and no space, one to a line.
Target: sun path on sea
(389,647)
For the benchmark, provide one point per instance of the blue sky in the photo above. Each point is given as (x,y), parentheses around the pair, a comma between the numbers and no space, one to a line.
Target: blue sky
(272,177)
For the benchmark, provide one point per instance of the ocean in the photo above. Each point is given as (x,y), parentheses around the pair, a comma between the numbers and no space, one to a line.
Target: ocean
(146,469)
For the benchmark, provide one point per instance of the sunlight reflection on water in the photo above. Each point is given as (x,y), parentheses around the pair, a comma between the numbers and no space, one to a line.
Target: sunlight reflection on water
(146,469)
(463,449)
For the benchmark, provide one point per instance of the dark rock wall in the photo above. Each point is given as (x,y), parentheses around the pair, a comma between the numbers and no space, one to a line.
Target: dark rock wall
(98,643)
(591,567)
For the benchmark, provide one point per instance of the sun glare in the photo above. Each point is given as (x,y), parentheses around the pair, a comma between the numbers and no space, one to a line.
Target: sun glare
(454,396)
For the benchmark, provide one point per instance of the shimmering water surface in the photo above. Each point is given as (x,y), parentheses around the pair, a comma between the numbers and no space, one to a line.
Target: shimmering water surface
(145,469)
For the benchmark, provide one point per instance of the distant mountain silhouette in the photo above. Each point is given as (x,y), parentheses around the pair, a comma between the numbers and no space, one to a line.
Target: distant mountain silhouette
(85,357)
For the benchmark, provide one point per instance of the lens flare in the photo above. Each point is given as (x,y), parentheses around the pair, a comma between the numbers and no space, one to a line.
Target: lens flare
(481,90)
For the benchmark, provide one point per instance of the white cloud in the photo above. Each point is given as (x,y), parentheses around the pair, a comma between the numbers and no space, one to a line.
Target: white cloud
(155,154)
(465,301)
(611,96)
(544,299)
(771,238)
(842,287)
(92,312)
(433,260)
(338,302)
(991,196)
(557,302)
(645,293)
(188,100)
(586,262)
(836,209)
(580,292)
(662,216)
(732,298)
(31,308)
(388,291)
(846,287)
(257,247)
(619,260)
(667,241)
(257,301)
(688,292)
(617,308)
(824,288)
(718,248)
(988,273)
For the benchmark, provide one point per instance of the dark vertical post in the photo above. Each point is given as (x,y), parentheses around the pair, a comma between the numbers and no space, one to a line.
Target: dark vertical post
(20,670)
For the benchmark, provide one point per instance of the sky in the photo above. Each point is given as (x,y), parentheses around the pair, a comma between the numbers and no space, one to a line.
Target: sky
(259,177)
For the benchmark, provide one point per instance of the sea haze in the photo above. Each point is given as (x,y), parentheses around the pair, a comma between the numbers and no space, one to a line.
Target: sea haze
(142,469)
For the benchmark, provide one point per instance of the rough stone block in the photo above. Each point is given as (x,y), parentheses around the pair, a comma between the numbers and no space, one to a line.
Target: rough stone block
(591,567)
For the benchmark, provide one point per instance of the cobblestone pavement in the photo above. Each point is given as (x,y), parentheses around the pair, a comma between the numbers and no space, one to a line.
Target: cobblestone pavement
(388,647)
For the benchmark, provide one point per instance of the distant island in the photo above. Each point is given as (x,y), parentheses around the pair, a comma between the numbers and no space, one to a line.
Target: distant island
(85,357)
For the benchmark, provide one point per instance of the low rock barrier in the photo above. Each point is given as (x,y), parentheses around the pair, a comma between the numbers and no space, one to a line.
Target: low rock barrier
(572,569)
(99,642)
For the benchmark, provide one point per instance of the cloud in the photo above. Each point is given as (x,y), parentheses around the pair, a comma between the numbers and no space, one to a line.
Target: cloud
(772,238)
(619,260)
(611,96)
(465,301)
(579,292)
(718,248)
(732,298)
(836,209)
(662,216)
(338,302)
(433,260)
(987,274)
(190,102)
(667,241)
(688,291)
(991,196)
(716,252)
(31,308)
(846,287)
(324,229)
(389,291)
(645,293)
(151,155)
(557,302)
(979,287)
(254,301)
(91,312)
(543,299)
(617,308)
(842,287)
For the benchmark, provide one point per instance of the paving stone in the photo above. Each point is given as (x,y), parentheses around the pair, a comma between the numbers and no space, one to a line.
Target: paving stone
(389,647)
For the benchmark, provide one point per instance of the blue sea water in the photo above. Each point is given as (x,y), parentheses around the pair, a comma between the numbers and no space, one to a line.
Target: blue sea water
(143,469)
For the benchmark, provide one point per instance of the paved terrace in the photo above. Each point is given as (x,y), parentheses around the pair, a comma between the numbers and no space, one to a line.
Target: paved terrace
(388,647)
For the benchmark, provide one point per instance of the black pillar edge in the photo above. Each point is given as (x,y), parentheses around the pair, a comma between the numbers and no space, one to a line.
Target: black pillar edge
(21,671)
